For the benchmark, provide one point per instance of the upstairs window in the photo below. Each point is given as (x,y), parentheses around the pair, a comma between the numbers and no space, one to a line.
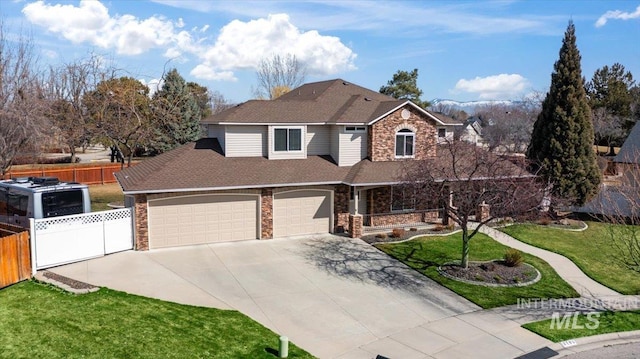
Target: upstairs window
(405,139)
(287,139)
(355,129)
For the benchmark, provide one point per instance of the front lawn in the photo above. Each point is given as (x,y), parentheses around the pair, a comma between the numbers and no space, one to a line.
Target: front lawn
(40,321)
(102,195)
(607,322)
(588,249)
(425,254)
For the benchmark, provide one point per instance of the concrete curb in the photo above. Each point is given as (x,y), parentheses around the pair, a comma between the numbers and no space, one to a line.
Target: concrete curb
(595,342)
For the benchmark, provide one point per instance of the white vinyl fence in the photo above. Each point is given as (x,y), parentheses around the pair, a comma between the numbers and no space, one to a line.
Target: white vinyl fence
(67,239)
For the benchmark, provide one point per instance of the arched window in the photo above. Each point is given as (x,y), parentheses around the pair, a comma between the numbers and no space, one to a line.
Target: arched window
(405,139)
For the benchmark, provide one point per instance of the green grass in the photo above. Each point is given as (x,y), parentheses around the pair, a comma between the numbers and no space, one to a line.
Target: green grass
(588,249)
(40,321)
(608,322)
(425,254)
(102,195)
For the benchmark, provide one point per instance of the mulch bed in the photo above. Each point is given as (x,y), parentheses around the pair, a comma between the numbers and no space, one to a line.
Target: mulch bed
(494,272)
(374,238)
(75,284)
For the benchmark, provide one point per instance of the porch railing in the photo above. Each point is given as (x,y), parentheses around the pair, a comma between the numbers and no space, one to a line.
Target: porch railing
(379,221)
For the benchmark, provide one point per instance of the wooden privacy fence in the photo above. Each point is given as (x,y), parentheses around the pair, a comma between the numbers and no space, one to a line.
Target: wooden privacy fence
(88,175)
(15,255)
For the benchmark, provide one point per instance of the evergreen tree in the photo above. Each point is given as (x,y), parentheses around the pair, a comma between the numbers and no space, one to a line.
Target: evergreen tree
(176,112)
(404,85)
(562,139)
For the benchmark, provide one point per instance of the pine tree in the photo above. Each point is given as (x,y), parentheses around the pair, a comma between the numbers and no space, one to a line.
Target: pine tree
(177,113)
(562,138)
(404,85)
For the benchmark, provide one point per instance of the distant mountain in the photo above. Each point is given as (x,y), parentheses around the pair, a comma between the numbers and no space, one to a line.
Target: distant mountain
(470,106)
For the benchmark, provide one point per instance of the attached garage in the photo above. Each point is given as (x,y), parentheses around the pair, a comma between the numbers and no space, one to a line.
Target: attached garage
(199,219)
(302,212)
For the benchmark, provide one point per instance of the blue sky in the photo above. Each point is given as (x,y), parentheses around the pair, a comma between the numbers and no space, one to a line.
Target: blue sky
(463,50)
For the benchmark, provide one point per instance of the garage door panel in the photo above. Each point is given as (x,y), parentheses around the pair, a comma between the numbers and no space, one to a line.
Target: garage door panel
(301,212)
(202,219)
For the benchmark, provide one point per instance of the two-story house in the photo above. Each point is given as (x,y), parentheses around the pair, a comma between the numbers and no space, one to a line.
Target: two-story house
(325,157)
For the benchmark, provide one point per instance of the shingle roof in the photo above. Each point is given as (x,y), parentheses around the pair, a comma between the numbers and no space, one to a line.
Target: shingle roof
(327,102)
(630,150)
(202,166)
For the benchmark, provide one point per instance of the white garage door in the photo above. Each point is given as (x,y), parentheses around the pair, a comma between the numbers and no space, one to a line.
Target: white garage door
(301,212)
(180,221)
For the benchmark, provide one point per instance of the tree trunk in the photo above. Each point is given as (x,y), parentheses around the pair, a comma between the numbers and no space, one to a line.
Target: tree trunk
(464,262)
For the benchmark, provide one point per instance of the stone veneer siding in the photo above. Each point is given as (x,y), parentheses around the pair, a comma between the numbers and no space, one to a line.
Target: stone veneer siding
(382,136)
(266,213)
(341,208)
(141,219)
(380,200)
(355,226)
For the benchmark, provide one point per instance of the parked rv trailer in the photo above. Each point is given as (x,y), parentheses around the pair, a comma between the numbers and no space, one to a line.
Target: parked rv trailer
(41,197)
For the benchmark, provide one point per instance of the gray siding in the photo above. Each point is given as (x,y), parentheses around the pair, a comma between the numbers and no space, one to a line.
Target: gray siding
(217,131)
(335,143)
(318,140)
(246,141)
(353,147)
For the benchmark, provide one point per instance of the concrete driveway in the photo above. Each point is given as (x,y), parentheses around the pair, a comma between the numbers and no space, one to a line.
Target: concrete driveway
(333,296)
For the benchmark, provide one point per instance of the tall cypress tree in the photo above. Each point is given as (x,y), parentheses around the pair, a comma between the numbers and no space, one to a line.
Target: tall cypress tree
(562,138)
(177,113)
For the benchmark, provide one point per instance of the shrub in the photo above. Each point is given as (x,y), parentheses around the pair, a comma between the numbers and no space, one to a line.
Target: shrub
(413,229)
(381,235)
(398,232)
(544,221)
(438,227)
(451,226)
(513,257)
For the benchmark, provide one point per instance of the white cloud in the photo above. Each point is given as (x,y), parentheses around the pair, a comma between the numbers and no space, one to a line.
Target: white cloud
(618,15)
(90,22)
(242,45)
(503,86)
(154,85)
(239,45)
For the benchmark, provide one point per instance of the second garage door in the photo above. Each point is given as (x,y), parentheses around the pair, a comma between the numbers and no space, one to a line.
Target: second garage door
(202,219)
(301,212)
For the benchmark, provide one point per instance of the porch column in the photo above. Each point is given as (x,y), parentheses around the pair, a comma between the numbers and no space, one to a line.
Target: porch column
(355,225)
(483,212)
(356,199)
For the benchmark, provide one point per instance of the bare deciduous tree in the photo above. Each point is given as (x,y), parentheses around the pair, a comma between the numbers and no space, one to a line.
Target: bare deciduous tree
(619,205)
(277,73)
(21,105)
(65,88)
(507,128)
(462,178)
(121,109)
(219,103)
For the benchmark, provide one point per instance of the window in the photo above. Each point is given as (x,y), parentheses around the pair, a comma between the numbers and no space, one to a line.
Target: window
(402,199)
(404,143)
(287,139)
(442,132)
(355,129)
(62,203)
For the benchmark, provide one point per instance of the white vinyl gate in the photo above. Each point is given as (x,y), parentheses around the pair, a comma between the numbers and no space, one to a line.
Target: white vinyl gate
(68,239)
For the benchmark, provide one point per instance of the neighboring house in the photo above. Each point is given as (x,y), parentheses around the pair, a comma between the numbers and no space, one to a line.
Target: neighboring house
(620,196)
(627,161)
(472,131)
(325,157)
